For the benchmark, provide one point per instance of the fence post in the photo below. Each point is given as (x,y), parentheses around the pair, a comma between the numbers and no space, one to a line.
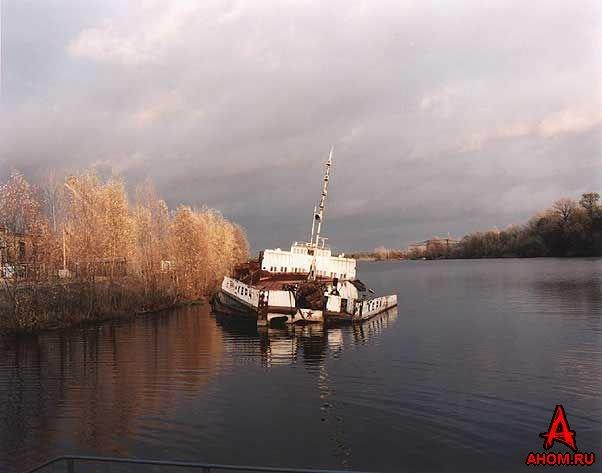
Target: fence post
(70,466)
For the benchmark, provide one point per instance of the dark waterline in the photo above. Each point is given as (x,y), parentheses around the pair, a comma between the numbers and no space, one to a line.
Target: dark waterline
(464,377)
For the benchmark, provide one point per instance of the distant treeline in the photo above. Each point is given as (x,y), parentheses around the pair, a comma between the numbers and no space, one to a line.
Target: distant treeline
(568,228)
(378,254)
(81,249)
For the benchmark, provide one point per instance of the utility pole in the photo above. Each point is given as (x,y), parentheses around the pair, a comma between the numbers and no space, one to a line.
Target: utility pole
(64,273)
(64,251)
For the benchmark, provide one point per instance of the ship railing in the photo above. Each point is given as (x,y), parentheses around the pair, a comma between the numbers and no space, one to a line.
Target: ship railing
(74,464)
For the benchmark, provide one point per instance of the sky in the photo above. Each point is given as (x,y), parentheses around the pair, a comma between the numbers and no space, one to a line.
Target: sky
(445,116)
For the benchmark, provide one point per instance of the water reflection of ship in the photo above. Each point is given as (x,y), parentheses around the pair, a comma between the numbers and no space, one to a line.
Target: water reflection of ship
(373,327)
(312,344)
(288,344)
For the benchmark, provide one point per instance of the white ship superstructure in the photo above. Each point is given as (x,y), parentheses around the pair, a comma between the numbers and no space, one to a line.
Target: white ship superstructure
(301,257)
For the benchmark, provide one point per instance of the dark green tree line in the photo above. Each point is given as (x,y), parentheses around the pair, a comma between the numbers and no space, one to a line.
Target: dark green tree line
(568,228)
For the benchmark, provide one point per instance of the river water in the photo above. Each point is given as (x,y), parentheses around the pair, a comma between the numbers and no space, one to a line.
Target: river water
(463,376)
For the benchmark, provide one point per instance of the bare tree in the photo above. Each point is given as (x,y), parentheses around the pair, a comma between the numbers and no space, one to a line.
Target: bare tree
(564,209)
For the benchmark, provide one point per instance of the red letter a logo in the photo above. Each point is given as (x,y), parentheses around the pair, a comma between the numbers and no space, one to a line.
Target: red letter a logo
(559,431)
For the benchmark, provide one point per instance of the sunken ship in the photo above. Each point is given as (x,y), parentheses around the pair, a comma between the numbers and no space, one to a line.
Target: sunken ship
(306,284)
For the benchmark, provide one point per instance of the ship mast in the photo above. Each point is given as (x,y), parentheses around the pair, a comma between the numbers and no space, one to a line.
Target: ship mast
(319,212)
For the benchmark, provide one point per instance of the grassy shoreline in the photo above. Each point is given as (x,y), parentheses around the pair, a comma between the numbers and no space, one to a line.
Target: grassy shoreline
(32,308)
(85,322)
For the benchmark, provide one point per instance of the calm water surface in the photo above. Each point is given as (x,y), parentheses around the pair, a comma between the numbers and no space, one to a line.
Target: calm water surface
(463,377)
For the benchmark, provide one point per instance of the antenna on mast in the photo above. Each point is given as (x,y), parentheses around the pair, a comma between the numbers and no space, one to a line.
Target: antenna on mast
(316,224)
(319,215)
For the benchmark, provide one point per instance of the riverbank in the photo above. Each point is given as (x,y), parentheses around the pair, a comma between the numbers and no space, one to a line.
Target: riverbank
(459,258)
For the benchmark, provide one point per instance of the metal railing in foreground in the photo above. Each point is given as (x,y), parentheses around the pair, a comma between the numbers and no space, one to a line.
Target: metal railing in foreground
(72,460)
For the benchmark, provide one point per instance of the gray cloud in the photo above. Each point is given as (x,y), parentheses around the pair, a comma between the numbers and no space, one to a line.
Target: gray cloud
(446,116)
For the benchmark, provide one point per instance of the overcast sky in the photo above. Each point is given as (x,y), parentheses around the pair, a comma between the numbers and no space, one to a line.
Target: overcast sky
(445,116)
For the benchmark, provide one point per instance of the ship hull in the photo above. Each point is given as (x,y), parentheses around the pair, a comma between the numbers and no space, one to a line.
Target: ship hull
(228,304)
(280,306)
(363,311)
(224,304)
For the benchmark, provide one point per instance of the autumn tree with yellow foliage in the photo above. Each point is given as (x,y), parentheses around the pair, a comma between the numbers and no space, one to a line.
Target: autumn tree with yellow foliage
(104,254)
